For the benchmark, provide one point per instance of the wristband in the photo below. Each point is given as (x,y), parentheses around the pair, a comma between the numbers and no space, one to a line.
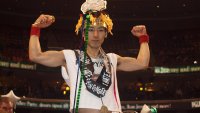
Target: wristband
(144,38)
(35,31)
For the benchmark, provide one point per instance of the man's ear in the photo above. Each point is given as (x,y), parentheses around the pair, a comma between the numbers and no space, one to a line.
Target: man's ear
(106,34)
(83,35)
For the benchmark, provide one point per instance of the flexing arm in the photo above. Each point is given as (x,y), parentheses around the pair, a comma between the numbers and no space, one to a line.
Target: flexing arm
(142,60)
(48,58)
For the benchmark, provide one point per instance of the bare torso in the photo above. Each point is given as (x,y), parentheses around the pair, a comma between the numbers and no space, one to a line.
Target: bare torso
(87,110)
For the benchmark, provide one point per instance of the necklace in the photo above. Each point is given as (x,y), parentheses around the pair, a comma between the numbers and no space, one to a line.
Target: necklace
(103,82)
(83,65)
(103,109)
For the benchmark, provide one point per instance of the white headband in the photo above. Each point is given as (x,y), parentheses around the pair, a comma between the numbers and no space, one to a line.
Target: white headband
(93,5)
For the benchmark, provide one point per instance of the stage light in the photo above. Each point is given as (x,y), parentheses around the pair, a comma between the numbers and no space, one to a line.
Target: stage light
(141,88)
(67,88)
(64,92)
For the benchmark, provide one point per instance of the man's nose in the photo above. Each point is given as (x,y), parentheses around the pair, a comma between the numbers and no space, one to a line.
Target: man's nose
(95,33)
(10,111)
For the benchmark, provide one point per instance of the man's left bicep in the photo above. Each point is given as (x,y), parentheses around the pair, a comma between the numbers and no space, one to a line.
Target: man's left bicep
(127,64)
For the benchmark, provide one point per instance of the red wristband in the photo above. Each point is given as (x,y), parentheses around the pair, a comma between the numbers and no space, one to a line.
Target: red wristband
(35,31)
(144,38)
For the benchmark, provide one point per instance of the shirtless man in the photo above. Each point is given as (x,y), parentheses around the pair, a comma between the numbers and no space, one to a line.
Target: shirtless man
(98,92)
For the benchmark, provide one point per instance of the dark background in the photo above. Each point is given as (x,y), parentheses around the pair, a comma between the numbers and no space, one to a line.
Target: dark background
(173,26)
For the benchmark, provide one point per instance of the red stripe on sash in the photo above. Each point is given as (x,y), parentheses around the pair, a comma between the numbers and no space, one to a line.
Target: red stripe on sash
(115,89)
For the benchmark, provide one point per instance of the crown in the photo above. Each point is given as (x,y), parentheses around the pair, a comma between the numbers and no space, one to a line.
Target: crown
(98,17)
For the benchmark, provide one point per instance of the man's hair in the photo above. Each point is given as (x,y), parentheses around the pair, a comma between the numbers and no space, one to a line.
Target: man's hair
(5,99)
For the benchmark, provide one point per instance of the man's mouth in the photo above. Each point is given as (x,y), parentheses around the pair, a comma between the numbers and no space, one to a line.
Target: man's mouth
(95,40)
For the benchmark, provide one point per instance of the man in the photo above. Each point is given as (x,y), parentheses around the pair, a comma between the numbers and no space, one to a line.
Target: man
(8,102)
(91,72)
(6,105)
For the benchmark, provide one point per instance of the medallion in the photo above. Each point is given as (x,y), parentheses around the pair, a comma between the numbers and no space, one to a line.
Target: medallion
(104,109)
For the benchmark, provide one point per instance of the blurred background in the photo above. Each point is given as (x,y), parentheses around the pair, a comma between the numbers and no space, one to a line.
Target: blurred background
(171,83)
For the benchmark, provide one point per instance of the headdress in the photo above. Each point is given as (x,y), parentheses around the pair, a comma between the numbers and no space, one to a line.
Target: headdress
(94,8)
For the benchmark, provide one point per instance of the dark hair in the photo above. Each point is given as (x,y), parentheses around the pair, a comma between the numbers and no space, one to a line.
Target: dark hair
(96,13)
(4,99)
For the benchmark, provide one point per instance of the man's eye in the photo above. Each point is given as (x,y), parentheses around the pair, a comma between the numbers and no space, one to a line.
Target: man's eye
(101,30)
(5,108)
(91,29)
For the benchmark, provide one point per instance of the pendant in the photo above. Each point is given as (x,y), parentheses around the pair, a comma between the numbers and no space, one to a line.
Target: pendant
(104,109)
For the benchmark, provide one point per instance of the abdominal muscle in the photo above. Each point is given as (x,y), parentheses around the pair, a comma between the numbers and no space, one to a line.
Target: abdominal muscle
(88,110)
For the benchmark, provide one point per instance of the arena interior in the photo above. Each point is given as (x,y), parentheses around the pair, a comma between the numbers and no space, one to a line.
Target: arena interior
(171,83)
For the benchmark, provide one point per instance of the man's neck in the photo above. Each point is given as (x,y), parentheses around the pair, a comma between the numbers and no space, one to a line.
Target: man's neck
(93,52)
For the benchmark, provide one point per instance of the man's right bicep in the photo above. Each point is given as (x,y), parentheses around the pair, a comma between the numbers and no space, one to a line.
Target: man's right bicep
(51,58)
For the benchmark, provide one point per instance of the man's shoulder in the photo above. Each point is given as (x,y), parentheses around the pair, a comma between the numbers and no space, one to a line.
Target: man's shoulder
(68,52)
(112,54)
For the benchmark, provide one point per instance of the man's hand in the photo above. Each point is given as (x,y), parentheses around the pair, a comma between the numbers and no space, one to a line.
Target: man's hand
(139,30)
(44,21)
(145,109)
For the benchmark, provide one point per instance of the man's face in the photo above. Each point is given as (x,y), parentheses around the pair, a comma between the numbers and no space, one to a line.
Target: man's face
(96,36)
(6,107)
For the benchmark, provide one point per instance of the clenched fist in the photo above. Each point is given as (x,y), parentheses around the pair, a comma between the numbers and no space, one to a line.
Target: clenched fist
(44,21)
(139,30)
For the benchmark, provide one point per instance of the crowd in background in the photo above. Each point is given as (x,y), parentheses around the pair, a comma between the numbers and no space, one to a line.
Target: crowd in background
(175,87)
(168,48)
